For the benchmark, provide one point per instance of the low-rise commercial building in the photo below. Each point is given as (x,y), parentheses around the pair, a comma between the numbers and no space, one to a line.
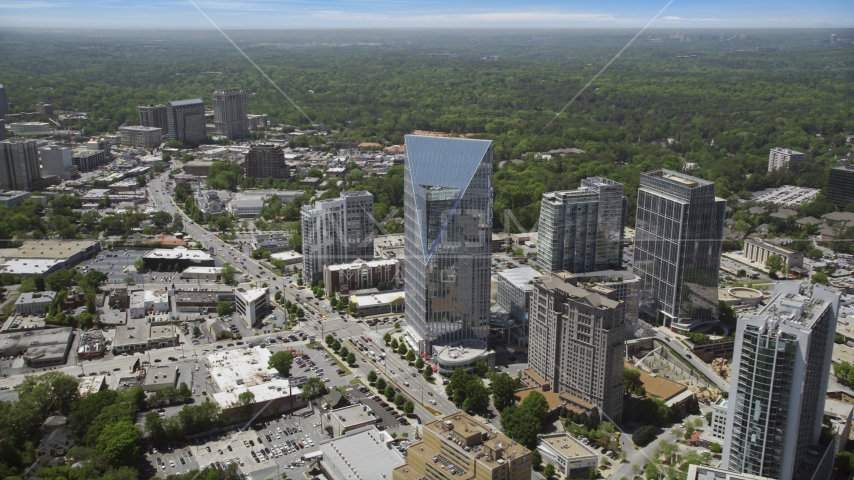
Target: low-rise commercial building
(160,377)
(90,385)
(459,445)
(289,257)
(202,273)
(379,303)
(202,300)
(273,242)
(29,128)
(40,348)
(571,458)
(234,372)
(66,253)
(350,418)
(13,198)
(33,303)
(673,394)
(252,305)
(361,453)
(361,275)
(197,168)
(219,329)
(140,337)
(161,258)
(142,302)
(91,344)
(247,206)
(464,354)
(758,251)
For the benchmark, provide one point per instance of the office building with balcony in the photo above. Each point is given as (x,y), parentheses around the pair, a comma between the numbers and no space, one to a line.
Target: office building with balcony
(577,339)
(230,110)
(186,120)
(19,165)
(780,372)
(679,230)
(581,230)
(337,230)
(447,239)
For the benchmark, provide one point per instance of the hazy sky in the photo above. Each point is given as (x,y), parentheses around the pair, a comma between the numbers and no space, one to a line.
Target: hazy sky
(180,14)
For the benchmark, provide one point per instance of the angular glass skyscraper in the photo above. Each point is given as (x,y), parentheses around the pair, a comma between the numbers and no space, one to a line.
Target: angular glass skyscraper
(679,231)
(581,230)
(448,231)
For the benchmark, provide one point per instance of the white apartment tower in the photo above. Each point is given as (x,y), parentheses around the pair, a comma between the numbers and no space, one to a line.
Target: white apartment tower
(337,230)
(781,157)
(577,339)
(230,113)
(780,370)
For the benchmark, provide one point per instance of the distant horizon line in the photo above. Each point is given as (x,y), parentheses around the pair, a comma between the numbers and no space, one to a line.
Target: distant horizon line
(502,29)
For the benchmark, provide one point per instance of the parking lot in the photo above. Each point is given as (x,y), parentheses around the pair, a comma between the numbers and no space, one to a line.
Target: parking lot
(260,450)
(387,414)
(116,264)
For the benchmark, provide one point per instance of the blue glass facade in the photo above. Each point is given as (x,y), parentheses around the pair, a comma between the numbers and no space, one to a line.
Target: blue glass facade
(678,238)
(448,231)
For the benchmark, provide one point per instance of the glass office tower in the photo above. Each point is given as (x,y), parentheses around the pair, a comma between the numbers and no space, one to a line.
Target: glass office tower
(678,237)
(448,232)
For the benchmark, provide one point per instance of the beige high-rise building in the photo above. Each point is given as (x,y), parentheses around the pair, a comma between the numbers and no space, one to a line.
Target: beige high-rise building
(459,447)
(19,164)
(576,340)
(230,113)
